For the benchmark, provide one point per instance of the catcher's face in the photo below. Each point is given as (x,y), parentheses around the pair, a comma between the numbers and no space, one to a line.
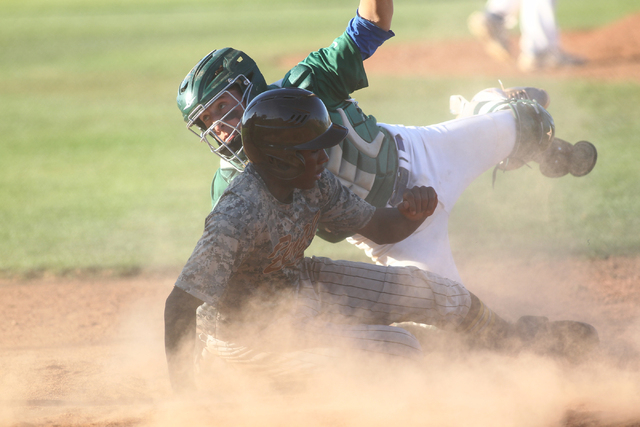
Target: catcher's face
(218,124)
(223,116)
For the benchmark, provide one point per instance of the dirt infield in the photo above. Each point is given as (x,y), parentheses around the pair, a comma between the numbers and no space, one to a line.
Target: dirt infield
(88,351)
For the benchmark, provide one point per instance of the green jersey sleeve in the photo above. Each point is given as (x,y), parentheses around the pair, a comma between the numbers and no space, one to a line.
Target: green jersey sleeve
(332,73)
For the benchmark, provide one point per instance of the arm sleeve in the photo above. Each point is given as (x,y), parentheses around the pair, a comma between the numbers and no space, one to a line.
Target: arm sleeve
(216,257)
(367,36)
(332,73)
(344,211)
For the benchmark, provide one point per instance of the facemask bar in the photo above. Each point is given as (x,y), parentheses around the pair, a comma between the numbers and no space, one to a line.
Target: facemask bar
(221,147)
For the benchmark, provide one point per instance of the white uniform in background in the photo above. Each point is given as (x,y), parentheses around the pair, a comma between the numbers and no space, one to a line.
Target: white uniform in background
(539,38)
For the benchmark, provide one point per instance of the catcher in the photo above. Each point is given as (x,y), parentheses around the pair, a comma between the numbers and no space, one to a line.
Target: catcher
(249,276)
(378,161)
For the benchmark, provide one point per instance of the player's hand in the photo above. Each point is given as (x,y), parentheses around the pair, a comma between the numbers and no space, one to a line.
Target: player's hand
(391,225)
(418,203)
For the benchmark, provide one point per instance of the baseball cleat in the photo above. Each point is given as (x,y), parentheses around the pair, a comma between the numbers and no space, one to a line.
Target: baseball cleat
(490,29)
(521,92)
(565,338)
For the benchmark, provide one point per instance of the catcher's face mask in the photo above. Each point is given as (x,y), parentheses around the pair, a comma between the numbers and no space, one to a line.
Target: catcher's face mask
(218,122)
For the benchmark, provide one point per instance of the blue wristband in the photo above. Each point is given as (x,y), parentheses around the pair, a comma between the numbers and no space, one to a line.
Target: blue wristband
(367,35)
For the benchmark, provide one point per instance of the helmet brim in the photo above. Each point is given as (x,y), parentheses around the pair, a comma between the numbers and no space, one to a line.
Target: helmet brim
(333,136)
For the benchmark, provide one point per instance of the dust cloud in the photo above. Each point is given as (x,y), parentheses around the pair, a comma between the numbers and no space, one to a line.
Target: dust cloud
(448,389)
(90,352)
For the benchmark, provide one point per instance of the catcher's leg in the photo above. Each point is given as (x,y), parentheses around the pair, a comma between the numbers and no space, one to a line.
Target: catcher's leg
(448,156)
(555,156)
(535,128)
(484,101)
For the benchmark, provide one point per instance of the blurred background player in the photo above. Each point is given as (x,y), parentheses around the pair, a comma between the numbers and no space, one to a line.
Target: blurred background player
(539,40)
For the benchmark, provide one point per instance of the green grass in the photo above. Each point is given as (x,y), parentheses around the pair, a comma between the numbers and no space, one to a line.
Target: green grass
(98,172)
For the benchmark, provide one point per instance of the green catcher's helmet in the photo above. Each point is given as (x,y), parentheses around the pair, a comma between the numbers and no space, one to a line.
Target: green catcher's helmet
(213,76)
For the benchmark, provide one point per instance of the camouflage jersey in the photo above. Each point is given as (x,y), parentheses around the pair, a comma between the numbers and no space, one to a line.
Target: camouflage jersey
(367,160)
(253,245)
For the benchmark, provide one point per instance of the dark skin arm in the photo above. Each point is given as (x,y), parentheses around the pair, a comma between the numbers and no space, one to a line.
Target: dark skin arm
(391,225)
(180,338)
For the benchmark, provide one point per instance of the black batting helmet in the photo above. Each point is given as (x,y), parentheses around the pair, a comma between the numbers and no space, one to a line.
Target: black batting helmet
(279,122)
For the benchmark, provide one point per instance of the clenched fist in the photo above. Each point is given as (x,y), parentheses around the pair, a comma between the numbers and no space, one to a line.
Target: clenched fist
(418,203)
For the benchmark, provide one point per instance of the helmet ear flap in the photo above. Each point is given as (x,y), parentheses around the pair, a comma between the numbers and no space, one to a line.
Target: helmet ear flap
(276,163)
(286,168)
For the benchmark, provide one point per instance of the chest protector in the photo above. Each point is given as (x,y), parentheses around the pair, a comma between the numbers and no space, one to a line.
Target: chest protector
(367,160)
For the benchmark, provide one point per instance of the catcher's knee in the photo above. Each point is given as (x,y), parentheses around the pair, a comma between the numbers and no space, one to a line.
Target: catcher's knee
(536,141)
(535,131)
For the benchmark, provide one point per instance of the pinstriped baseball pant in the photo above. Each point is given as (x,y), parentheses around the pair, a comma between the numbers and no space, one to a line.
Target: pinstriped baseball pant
(344,306)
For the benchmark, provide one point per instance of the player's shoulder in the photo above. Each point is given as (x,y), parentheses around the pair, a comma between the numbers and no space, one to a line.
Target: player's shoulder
(327,190)
(244,197)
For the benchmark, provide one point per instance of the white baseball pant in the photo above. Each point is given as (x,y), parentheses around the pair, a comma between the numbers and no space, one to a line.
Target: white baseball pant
(448,157)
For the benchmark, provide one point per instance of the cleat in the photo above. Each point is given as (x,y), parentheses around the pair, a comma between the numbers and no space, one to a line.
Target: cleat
(539,95)
(566,338)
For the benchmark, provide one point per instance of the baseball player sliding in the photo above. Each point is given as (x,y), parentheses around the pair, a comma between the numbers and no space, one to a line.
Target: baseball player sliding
(249,275)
